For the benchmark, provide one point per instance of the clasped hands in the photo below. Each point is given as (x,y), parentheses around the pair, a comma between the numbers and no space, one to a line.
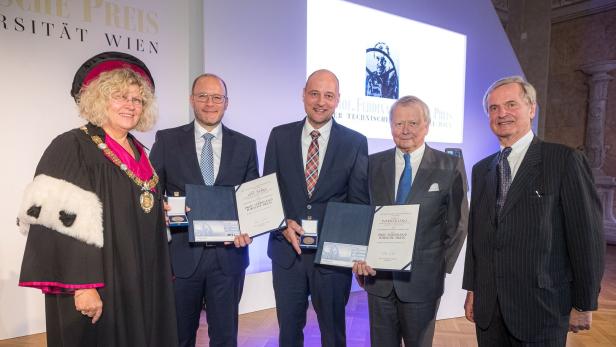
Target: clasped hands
(241,240)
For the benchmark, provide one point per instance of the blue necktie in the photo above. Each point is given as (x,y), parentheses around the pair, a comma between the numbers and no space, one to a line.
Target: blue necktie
(404,186)
(504,178)
(207,160)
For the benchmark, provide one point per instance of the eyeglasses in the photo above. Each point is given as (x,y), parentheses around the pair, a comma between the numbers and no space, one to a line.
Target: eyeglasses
(203,98)
(136,102)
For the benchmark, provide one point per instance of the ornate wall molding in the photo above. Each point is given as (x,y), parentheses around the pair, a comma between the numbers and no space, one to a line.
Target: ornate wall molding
(598,80)
(565,10)
(562,10)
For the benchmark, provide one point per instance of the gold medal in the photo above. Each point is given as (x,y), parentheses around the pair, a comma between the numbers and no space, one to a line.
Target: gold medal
(147,201)
(308,240)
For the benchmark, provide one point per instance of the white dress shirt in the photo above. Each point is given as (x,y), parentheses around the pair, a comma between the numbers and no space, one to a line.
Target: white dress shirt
(416,157)
(325,130)
(216,144)
(518,151)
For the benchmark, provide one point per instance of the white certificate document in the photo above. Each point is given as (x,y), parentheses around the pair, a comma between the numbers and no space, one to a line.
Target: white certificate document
(342,254)
(392,237)
(259,206)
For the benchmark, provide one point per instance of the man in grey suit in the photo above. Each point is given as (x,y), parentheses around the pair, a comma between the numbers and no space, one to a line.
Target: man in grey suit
(535,252)
(403,305)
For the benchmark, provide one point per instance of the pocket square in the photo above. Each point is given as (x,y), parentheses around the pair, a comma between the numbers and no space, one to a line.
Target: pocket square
(433,187)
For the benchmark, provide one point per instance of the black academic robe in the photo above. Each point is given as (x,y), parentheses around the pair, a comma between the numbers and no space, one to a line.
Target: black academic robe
(117,248)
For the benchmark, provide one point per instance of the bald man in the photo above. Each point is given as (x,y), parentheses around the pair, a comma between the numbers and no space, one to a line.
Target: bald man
(317,161)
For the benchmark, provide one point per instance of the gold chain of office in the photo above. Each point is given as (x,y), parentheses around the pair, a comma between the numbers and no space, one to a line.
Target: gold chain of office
(146,199)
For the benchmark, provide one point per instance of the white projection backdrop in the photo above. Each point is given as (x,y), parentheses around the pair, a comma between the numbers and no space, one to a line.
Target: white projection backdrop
(404,57)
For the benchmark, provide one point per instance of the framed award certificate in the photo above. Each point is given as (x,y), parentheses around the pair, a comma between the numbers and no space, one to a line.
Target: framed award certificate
(220,213)
(383,236)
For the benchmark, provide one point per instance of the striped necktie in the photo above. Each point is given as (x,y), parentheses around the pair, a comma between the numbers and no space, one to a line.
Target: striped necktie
(312,162)
(504,177)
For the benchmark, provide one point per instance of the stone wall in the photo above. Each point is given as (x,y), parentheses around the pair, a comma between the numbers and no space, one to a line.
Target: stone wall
(574,43)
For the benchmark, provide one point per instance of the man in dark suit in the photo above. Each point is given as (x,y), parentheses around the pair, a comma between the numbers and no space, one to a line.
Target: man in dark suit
(403,305)
(206,152)
(535,251)
(317,161)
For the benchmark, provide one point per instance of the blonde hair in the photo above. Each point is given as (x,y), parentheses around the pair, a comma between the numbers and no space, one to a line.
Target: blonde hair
(94,99)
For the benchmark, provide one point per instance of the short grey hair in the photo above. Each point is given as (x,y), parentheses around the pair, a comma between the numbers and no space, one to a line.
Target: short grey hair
(528,91)
(408,100)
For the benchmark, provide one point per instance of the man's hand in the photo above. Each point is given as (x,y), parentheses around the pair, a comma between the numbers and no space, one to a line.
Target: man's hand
(362,269)
(579,321)
(468,307)
(242,240)
(292,234)
(89,303)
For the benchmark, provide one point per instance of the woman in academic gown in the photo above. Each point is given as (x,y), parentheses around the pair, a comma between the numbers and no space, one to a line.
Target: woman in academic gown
(97,245)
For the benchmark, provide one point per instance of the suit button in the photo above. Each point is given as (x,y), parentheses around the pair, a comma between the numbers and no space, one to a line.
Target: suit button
(309,207)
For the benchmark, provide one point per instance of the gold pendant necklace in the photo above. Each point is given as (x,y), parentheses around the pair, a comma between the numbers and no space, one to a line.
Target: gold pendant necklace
(146,199)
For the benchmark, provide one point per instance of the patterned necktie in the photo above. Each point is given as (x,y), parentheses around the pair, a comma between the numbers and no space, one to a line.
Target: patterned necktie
(207,160)
(504,177)
(404,186)
(312,162)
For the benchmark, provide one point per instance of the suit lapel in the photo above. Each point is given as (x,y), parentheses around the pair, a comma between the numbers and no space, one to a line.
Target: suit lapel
(188,149)
(489,189)
(328,161)
(330,154)
(422,177)
(226,155)
(297,157)
(529,169)
(388,173)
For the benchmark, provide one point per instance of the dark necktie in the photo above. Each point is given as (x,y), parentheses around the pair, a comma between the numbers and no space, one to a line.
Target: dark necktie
(504,177)
(207,160)
(312,162)
(404,186)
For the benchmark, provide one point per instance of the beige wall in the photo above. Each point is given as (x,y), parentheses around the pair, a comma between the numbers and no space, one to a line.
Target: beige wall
(574,43)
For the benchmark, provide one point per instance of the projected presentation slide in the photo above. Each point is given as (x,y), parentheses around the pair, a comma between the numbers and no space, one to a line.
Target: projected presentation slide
(380,57)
